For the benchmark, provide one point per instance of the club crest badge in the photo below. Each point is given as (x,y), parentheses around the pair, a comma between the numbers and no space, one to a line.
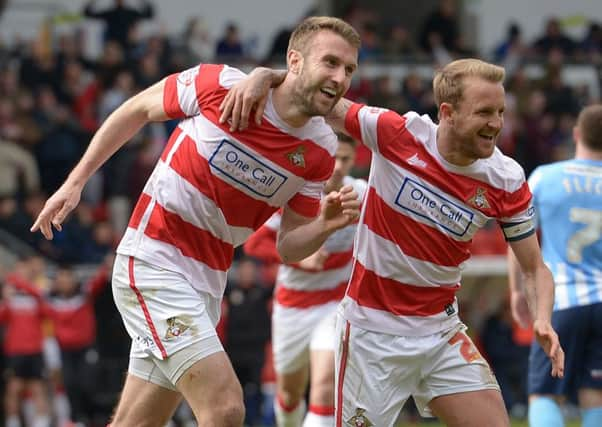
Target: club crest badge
(296,157)
(479,200)
(175,328)
(359,419)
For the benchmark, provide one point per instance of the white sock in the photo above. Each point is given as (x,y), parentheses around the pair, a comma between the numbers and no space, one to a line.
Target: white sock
(13,421)
(41,421)
(62,408)
(291,418)
(316,420)
(29,411)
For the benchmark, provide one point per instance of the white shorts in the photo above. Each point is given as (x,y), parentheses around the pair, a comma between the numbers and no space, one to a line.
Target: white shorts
(296,331)
(376,372)
(164,315)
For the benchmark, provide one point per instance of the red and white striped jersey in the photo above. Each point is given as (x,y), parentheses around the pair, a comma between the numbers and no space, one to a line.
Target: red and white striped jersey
(212,188)
(300,288)
(418,221)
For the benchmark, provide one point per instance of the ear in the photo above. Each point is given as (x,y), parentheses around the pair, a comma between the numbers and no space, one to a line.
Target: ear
(576,135)
(446,111)
(294,60)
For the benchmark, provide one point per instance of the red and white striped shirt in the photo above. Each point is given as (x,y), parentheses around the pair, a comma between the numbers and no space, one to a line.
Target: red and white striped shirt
(212,188)
(418,221)
(301,288)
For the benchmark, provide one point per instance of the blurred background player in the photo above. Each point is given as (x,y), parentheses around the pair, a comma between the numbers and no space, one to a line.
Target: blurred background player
(70,306)
(306,297)
(567,197)
(22,313)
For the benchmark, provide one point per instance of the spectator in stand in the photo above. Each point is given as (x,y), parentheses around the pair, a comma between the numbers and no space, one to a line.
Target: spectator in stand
(247,332)
(120,19)
(71,308)
(229,47)
(440,29)
(196,41)
(512,50)
(21,311)
(591,45)
(554,38)
(398,44)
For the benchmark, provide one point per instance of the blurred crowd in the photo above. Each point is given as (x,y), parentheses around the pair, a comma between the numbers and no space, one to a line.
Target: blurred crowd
(52,99)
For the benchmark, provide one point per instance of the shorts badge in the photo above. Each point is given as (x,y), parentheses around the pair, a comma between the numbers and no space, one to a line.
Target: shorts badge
(175,328)
(359,419)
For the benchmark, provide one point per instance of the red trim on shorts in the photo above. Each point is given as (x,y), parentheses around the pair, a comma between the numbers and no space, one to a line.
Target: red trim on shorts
(149,321)
(339,406)
(284,406)
(322,410)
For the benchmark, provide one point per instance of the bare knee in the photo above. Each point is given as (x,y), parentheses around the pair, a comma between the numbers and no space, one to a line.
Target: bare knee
(230,414)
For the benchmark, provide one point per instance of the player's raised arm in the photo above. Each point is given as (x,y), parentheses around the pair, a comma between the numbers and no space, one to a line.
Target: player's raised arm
(119,128)
(539,287)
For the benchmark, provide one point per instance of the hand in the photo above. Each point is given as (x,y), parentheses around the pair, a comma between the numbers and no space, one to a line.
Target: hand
(250,93)
(548,339)
(340,208)
(56,209)
(315,261)
(520,309)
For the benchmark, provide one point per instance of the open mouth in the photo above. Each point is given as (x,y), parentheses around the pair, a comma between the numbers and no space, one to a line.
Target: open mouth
(329,92)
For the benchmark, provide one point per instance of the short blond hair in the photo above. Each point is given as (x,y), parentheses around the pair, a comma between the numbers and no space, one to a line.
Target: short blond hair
(310,26)
(448,82)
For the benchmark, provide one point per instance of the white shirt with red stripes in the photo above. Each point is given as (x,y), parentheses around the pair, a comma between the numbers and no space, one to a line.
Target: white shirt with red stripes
(212,188)
(297,287)
(418,220)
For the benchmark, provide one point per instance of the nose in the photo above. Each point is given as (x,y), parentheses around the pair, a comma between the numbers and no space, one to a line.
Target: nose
(497,122)
(339,75)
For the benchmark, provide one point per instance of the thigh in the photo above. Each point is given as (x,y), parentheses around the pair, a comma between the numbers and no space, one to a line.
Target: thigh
(591,374)
(144,404)
(208,383)
(452,366)
(374,376)
(571,327)
(471,409)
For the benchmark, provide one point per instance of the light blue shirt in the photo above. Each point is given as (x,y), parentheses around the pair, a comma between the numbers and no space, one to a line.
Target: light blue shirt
(567,197)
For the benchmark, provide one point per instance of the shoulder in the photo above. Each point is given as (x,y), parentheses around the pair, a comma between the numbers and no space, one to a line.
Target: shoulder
(229,76)
(420,126)
(504,172)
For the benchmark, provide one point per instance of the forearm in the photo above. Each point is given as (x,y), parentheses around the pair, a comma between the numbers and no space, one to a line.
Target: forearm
(274,77)
(301,242)
(514,274)
(539,288)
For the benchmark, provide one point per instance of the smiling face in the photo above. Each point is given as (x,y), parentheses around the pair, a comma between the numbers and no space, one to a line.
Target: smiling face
(476,120)
(324,70)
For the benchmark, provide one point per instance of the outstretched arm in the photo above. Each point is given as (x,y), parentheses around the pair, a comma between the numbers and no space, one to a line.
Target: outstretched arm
(119,127)
(539,286)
